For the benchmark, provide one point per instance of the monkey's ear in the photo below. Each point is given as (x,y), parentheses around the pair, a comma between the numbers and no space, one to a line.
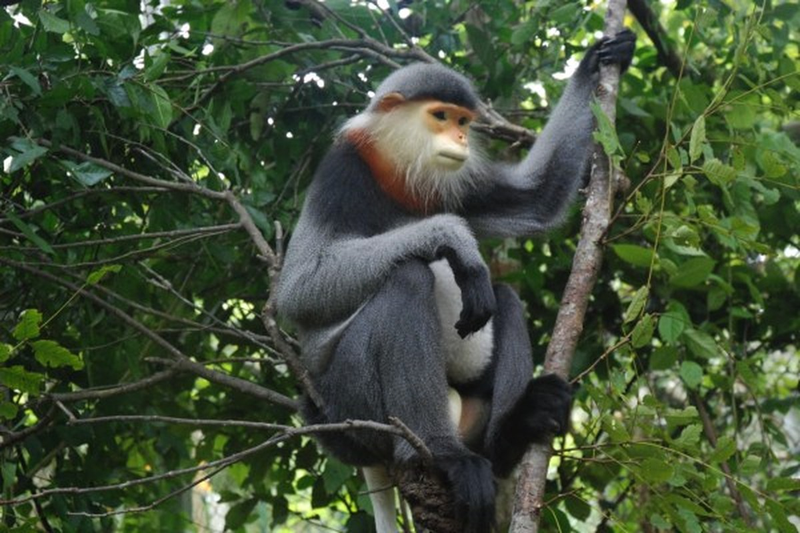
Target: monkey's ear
(390,101)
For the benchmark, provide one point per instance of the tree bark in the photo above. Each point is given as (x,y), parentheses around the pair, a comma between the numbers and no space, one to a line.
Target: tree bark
(529,499)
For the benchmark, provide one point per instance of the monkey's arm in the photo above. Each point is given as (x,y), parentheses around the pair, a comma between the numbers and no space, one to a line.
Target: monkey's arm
(326,279)
(533,196)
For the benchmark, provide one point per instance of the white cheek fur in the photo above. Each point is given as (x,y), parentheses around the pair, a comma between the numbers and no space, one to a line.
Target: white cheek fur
(465,359)
(403,137)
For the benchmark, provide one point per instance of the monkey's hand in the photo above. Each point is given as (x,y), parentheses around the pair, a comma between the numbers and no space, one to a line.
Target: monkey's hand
(541,412)
(547,404)
(610,50)
(477,296)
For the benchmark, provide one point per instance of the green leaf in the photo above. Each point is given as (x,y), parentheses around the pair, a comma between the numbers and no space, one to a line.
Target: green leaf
(691,524)
(52,354)
(5,352)
(783,484)
(741,116)
(671,179)
(701,343)
(27,78)
(482,45)
(616,429)
(606,134)
(578,508)
(679,417)
(663,357)
(162,108)
(87,173)
(670,326)
(335,474)
(28,326)
(726,447)
(747,375)
(231,18)
(52,23)
(697,139)
(718,172)
(29,152)
(691,373)
(17,378)
(524,33)
(779,517)
(9,472)
(566,14)
(8,410)
(85,22)
(658,521)
(157,66)
(637,304)
(689,437)
(634,254)
(237,515)
(674,158)
(655,470)
(770,163)
(693,272)
(99,274)
(643,332)
(30,233)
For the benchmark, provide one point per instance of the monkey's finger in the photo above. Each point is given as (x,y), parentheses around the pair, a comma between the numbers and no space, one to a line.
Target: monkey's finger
(618,49)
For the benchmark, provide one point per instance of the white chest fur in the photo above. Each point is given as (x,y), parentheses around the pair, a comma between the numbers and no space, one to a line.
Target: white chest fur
(466,358)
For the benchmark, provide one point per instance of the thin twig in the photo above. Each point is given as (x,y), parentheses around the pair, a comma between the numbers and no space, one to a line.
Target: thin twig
(287,432)
(183,362)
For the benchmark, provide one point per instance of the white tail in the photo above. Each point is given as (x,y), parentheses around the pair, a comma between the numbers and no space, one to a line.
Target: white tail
(381,493)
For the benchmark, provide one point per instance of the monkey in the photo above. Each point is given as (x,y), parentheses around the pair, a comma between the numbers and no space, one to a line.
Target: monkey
(394,306)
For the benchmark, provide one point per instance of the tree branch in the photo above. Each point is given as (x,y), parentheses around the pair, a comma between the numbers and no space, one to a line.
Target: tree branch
(286,432)
(529,498)
(183,362)
(652,27)
(711,435)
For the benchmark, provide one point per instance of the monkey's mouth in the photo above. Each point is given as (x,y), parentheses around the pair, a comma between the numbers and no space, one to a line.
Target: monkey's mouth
(455,157)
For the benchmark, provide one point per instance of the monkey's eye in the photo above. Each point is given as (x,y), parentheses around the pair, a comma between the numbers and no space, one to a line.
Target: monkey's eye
(439,115)
(463,121)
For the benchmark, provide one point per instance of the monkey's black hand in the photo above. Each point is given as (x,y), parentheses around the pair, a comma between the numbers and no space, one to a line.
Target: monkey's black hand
(541,412)
(547,404)
(609,50)
(477,295)
(618,49)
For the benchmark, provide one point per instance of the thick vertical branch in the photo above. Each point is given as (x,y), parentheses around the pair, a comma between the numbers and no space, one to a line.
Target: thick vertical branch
(529,498)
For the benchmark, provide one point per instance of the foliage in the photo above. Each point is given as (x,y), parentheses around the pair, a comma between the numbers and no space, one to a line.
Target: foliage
(124,124)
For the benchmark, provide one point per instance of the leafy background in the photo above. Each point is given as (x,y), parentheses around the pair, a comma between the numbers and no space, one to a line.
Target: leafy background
(146,145)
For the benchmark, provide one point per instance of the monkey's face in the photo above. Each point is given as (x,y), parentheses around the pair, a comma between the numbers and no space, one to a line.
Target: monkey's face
(423,137)
(447,126)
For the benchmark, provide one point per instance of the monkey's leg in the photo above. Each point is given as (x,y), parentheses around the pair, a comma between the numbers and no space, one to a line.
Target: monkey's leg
(523,410)
(400,329)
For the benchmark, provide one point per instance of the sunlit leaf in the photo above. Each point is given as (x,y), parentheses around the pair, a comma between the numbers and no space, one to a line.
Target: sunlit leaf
(28,326)
(50,353)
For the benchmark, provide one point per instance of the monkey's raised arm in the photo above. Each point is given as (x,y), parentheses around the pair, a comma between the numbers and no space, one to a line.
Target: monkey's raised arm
(532,196)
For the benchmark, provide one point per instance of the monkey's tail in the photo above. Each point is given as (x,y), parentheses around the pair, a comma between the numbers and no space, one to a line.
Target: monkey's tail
(381,494)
